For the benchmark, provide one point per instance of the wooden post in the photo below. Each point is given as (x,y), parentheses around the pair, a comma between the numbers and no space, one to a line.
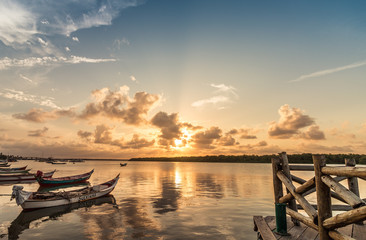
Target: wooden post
(352,181)
(286,171)
(277,184)
(323,197)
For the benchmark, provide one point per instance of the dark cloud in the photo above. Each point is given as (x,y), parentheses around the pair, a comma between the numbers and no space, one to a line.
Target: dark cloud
(228,140)
(313,133)
(102,134)
(136,143)
(292,120)
(118,105)
(244,133)
(39,115)
(84,134)
(205,139)
(38,133)
(168,124)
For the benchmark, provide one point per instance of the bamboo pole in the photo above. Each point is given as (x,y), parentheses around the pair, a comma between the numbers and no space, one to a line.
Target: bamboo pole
(298,179)
(351,198)
(343,219)
(323,197)
(302,201)
(277,184)
(345,171)
(286,171)
(310,184)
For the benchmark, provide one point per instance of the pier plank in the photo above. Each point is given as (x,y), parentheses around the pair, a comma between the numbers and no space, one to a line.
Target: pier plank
(359,231)
(263,228)
(309,233)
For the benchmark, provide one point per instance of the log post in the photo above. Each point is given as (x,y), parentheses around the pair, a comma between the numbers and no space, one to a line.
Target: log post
(286,171)
(277,184)
(352,181)
(323,197)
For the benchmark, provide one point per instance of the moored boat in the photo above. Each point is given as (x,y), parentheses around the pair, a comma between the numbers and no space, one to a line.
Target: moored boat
(17,168)
(22,176)
(34,200)
(4,165)
(10,171)
(49,181)
(123,164)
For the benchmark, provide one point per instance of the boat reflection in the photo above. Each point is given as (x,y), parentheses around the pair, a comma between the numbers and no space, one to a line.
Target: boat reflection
(25,218)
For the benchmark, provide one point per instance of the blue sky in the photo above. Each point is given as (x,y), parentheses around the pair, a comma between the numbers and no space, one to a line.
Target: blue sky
(141,78)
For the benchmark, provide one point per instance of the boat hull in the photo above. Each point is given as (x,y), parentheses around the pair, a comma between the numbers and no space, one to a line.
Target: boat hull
(37,203)
(49,182)
(22,177)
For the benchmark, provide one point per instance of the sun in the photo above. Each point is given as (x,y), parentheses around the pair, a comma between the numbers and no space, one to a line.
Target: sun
(183,142)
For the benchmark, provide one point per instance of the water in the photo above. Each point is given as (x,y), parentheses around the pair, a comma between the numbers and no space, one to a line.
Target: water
(156,200)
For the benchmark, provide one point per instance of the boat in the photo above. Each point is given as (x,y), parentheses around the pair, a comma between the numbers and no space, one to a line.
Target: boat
(10,171)
(49,181)
(40,216)
(17,168)
(69,186)
(54,162)
(34,200)
(22,176)
(4,165)
(123,164)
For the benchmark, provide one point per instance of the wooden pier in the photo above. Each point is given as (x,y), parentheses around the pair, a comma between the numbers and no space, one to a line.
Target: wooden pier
(317,221)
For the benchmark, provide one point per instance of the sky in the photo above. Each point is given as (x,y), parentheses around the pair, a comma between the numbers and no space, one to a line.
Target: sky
(161,78)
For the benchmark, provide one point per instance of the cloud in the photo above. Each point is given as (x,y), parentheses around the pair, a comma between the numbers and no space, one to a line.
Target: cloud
(219,100)
(119,105)
(22,23)
(118,43)
(40,116)
(133,78)
(316,148)
(24,97)
(213,100)
(27,79)
(290,123)
(103,135)
(38,133)
(329,71)
(67,49)
(169,127)
(244,133)
(6,63)
(206,139)
(75,39)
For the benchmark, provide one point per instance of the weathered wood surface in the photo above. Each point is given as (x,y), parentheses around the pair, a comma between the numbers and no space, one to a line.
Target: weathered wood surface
(303,232)
(345,171)
(345,218)
(263,228)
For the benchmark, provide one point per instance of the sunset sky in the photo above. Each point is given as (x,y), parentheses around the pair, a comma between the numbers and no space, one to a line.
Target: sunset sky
(130,78)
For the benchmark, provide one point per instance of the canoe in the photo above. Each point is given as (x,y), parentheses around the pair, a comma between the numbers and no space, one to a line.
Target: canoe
(49,181)
(34,200)
(17,168)
(58,187)
(123,164)
(4,165)
(10,171)
(22,176)
(27,219)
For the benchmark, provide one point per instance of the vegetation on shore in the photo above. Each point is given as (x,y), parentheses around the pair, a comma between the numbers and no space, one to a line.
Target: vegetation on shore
(293,158)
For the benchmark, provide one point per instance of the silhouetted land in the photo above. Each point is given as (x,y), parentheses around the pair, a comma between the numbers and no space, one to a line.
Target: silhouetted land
(293,158)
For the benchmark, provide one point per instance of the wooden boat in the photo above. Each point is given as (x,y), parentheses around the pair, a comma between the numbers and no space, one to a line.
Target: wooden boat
(123,164)
(34,200)
(69,186)
(10,171)
(25,218)
(22,176)
(58,163)
(17,168)
(4,165)
(49,181)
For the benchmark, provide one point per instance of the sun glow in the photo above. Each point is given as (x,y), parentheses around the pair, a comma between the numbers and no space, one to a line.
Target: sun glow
(183,142)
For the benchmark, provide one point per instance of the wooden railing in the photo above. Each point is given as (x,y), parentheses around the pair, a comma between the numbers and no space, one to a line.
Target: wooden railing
(319,216)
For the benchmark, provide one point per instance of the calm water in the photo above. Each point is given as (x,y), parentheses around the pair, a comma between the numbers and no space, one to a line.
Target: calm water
(155,200)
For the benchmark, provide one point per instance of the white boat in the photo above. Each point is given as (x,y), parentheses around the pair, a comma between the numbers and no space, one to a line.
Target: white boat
(22,176)
(34,200)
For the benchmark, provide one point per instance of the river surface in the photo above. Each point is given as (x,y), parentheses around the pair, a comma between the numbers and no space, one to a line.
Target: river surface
(152,200)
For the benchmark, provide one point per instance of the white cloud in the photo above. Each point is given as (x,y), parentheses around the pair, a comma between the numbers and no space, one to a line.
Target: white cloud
(329,71)
(23,97)
(23,24)
(120,42)
(67,49)
(212,100)
(6,62)
(27,79)
(75,39)
(133,78)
